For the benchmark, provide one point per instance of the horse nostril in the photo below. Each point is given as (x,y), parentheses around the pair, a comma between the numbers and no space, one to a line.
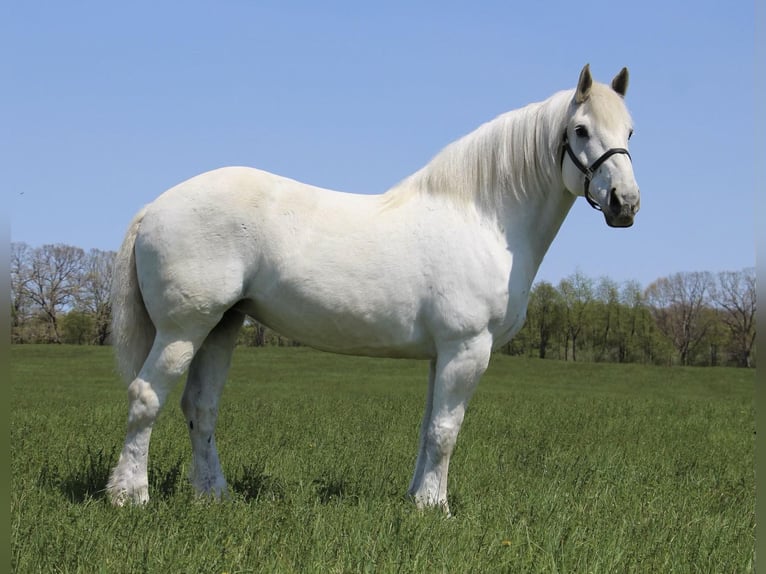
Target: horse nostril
(614,202)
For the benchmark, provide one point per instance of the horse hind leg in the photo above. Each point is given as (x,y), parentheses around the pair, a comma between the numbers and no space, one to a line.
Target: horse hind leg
(168,358)
(199,403)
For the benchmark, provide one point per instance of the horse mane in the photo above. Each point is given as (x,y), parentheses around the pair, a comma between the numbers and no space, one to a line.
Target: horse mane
(512,156)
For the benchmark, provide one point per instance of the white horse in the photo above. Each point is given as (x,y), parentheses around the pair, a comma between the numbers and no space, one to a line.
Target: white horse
(437,268)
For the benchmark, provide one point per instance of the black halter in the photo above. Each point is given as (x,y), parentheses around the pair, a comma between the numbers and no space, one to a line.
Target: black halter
(590,171)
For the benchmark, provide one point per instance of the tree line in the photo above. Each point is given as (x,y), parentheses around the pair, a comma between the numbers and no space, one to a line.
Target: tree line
(60,294)
(687,318)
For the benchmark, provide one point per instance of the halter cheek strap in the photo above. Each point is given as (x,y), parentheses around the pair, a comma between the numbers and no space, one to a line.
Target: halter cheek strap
(589,171)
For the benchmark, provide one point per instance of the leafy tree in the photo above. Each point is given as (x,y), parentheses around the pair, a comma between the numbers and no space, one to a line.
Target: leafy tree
(577,295)
(712,348)
(606,319)
(633,341)
(544,315)
(77,328)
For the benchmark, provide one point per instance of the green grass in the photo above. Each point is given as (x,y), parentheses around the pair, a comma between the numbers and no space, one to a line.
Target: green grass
(560,467)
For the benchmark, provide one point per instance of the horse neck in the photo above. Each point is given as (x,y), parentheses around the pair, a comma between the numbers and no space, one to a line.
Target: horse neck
(531,200)
(508,171)
(530,225)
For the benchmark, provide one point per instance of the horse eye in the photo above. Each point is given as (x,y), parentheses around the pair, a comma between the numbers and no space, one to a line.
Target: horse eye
(581,132)
(630,135)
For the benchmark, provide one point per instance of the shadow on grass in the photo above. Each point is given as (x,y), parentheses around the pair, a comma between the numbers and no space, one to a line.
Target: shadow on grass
(85,479)
(164,484)
(334,488)
(252,483)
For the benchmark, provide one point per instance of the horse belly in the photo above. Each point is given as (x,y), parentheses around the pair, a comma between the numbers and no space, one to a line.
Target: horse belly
(374,328)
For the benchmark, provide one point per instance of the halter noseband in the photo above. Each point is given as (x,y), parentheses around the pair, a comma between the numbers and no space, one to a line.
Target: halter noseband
(589,171)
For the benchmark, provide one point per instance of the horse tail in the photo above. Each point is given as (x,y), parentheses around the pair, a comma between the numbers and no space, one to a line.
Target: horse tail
(132,329)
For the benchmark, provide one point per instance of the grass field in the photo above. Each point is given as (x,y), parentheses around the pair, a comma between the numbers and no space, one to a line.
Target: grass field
(560,467)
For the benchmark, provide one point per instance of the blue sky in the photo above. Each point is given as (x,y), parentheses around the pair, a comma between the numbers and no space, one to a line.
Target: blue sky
(110,104)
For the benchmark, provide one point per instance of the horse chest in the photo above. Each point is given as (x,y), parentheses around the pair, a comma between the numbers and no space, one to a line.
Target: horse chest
(512,308)
(511,322)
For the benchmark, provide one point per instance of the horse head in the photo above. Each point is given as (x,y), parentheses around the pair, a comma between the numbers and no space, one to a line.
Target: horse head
(594,158)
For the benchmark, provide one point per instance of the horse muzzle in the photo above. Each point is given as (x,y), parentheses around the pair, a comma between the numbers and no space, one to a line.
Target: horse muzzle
(621,210)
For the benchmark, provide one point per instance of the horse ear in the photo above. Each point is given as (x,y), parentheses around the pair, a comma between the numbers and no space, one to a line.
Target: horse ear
(620,82)
(583,85)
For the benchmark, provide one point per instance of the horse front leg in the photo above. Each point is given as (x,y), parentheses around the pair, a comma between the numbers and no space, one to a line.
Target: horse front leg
(459,366)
